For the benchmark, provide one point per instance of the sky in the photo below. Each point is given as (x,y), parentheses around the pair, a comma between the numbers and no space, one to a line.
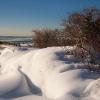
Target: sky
(20,17)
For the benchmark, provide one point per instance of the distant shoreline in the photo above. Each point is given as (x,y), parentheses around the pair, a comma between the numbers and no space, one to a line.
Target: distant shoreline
(16,36)
(15,39)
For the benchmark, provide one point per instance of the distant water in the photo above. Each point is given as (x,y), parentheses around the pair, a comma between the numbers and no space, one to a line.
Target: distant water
(15,39)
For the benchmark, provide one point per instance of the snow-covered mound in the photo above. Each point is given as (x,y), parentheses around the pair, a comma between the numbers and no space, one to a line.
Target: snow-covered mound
(13,81)
(93,89)
(45,75)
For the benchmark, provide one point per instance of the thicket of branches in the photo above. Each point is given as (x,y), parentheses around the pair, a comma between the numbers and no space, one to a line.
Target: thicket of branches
(48,38)
(84,28)
(45,38)
(80,28)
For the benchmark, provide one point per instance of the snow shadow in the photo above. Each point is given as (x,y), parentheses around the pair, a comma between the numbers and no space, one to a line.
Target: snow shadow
(33,88)
(68,59)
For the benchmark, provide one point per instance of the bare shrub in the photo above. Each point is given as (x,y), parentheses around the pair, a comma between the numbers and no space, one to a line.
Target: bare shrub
(45,38)
(84,28)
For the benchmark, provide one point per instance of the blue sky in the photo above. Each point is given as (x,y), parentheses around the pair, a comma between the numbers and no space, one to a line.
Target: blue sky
(19,17)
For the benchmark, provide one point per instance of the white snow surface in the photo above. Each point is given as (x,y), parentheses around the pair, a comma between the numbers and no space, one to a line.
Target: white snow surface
(44,74)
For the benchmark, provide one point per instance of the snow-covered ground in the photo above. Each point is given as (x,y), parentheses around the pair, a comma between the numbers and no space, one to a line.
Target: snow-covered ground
(44,74)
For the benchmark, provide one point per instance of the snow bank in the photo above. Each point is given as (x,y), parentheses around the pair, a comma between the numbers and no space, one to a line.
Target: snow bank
(46,69)
(93,89)
(13,85)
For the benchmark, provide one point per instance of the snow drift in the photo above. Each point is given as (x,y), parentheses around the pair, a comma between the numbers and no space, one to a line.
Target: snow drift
(45,75)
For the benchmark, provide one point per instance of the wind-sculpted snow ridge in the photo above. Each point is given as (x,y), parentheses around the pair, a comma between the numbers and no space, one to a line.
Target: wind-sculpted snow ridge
(45,74)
